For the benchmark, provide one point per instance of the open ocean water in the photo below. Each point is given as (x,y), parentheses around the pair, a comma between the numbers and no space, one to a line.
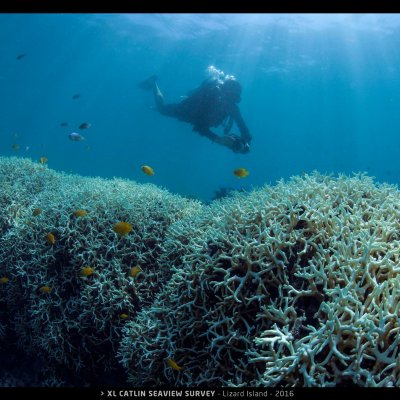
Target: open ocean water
(320,92)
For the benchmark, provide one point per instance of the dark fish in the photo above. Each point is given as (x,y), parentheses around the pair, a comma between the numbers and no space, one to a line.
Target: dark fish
(20,56)
(76,96)
(64,124)
(84,125)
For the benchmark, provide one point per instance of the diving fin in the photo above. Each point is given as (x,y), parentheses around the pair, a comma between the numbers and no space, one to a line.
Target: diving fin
(148,84)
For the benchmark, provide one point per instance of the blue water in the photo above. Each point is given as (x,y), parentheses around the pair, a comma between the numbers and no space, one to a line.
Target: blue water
(321,92)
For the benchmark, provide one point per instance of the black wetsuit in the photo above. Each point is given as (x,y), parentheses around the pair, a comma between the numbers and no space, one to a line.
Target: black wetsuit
(207,107)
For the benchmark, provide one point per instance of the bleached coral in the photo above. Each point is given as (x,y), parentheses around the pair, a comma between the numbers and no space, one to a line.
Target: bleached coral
(292,285)
(76,320)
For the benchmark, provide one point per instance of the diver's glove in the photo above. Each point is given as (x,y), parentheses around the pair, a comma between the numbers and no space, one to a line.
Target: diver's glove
(242,147)
(234,142)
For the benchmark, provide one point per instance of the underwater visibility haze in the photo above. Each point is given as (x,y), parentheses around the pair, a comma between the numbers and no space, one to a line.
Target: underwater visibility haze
(320,92)
(118,268)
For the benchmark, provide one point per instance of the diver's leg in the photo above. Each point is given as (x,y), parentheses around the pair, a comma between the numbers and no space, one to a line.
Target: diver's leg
(158,97)
(170,110)
(150,84)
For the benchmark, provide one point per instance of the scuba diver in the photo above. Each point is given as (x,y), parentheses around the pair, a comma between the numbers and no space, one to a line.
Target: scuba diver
(212,104)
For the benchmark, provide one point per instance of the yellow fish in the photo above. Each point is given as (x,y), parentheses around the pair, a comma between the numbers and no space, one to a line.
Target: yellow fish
(87,271)
(135,270)
(50,238)
(45,289)
(173,364)
(79,213)
(124,316)
(122,228)
(43,160)
(4,279)
(147,170)
(241,172)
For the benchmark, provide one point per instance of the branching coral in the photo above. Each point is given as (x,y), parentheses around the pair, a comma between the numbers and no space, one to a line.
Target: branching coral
(292,285)
(76,320)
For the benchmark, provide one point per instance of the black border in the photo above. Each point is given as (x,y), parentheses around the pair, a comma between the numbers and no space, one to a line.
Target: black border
(220,393)
(197,6)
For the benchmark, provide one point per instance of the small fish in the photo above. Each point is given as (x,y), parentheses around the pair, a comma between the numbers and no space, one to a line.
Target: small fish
(241,172)
(15,146)
(50,238)
(20,56)
(122,228)
(124,316)
(85,125)
(87,271)
(4,279)
(147,170)
(75,137)
(173,364)
(76,96)
(43,160)
(36,212)
(79,213)
(135,270)
(64,124)
(45,289)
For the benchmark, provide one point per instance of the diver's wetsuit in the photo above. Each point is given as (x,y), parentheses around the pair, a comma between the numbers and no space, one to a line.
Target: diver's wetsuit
(206,107)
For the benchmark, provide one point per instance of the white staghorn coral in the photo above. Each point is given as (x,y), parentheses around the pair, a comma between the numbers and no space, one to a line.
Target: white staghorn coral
(292,285)
(78,321)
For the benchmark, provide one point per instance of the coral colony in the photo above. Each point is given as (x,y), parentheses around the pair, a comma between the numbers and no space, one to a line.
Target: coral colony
(292,285)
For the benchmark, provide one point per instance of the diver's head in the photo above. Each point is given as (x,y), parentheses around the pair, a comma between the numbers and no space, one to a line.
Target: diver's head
(232,90)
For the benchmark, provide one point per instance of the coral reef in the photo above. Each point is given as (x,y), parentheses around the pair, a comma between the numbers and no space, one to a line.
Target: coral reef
(292,285)
(222,192)
(53,308)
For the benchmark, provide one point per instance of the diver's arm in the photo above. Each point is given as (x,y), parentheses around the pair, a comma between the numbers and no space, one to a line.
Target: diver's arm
(204,131)
(228,125)
(244,131)
(232,142)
